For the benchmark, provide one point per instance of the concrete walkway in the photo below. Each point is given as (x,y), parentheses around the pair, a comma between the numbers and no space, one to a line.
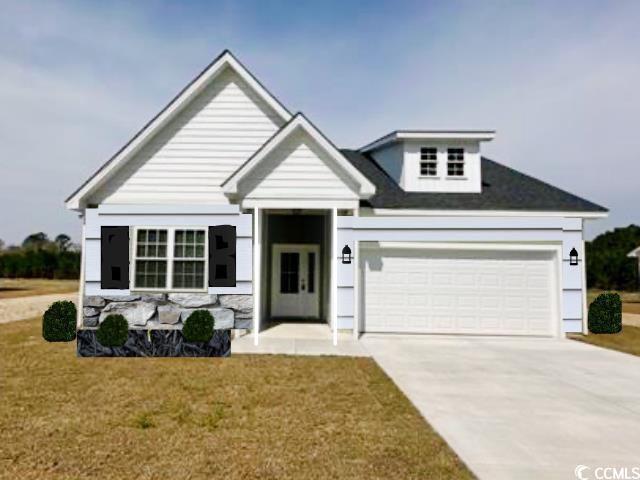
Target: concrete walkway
(299,339)
(21,308)
(521,408)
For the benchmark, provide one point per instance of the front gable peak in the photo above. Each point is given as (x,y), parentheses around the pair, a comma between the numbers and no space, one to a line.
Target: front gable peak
(298,161)
(223,63)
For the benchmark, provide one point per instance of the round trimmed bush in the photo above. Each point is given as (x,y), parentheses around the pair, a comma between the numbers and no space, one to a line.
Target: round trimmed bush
(605,314)
(59,322)
(113,332)
(198,327)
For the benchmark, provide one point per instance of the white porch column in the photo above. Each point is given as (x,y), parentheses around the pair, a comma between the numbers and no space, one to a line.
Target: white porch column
(356,284)
(585,308)
(334,274)
(257,250)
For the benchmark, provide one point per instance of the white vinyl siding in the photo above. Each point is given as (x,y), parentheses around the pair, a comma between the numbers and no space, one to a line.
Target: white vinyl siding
(298,168)
(166,217)
(199,149)
(562,233)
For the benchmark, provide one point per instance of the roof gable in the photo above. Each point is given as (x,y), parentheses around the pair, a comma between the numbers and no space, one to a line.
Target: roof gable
(326,151)
(223,62)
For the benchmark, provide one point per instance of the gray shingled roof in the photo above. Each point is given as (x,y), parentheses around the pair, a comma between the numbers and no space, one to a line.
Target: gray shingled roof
(502,189)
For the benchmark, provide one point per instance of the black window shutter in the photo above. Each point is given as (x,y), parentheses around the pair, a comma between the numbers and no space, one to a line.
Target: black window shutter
(222,256)
(114,258)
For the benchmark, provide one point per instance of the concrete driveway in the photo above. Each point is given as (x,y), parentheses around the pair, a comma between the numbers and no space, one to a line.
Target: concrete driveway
(521,408)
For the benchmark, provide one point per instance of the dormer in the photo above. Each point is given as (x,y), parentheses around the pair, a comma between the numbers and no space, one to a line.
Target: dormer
(432,160)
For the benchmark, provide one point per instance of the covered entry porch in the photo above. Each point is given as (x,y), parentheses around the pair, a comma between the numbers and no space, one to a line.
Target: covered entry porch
(295,275)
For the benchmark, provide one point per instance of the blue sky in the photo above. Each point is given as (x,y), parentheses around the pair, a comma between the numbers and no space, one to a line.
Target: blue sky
(557,80)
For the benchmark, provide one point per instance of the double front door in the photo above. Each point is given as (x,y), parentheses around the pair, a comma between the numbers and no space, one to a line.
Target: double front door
(295,281)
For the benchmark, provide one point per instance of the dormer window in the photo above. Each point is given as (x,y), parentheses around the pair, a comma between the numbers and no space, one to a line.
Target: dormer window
(428,161)
(455,162)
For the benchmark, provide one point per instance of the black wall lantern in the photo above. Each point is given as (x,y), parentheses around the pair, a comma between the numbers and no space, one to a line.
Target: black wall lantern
(346,254)
(573,257)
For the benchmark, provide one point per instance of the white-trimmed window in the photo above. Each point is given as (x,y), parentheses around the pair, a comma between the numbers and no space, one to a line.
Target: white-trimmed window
(455,162)
(428,161)
(169,258)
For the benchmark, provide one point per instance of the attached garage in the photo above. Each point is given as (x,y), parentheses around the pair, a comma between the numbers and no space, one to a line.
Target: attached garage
(505,290)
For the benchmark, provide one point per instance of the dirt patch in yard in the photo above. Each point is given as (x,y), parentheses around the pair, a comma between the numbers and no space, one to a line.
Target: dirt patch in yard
(268,417)
(27,287)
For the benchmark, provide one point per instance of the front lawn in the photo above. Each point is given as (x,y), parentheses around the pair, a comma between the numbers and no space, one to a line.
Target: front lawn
(628,340)
(268,417)
(25,287)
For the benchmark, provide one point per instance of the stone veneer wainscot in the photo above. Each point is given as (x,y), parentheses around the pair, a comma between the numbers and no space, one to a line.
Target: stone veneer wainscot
(169,311)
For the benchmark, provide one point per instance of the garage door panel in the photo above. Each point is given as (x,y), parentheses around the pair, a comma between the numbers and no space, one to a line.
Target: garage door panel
(505,292)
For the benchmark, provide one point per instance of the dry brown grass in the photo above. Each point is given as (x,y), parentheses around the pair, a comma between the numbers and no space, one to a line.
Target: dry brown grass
(628,340)
(25,287)
(630,300)
(268,417)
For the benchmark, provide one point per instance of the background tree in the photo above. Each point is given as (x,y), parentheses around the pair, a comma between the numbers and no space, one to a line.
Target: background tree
(36,240)
(40,258)
(63,242)
(1,245)
(608,266)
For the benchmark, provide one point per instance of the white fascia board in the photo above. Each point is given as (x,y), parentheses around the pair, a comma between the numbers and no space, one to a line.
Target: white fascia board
(74,202)
(479,213)
(230,185)
(634,253)
(475,135)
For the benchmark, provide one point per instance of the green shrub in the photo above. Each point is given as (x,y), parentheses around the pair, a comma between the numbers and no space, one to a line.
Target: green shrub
(59,322)
(113,332)
(198,327)
(605,314)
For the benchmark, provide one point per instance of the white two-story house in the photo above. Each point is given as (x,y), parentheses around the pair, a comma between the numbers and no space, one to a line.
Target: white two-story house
(226,200)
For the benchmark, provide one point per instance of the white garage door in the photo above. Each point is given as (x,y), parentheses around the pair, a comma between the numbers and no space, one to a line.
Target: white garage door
(454,291)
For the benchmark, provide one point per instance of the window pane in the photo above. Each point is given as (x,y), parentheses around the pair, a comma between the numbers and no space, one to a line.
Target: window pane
(188,274)
(151,273)
(190,235)
(200,251)
(179,236)
(200,237)
(289,270)
(311,272)
(189,251)
(150,243)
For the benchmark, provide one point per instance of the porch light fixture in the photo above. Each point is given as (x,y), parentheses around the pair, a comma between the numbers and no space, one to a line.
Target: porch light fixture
(573,257)
(346,254)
